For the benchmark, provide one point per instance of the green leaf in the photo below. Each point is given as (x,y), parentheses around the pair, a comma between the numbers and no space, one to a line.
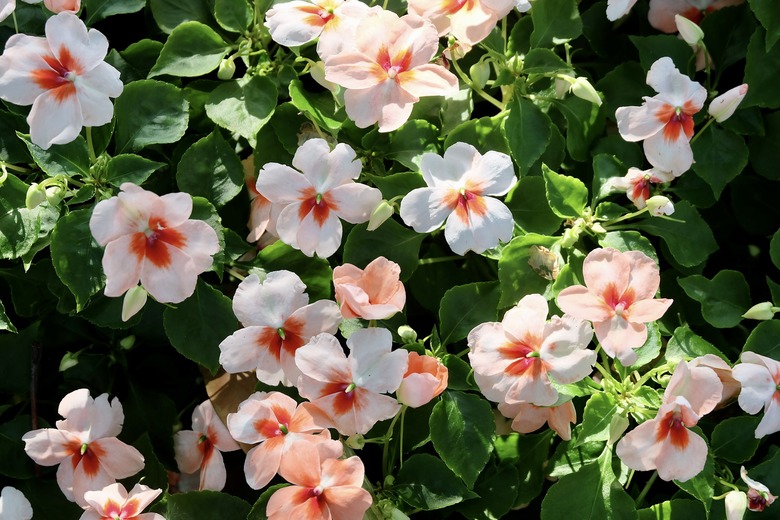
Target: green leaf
(584,122)
(627,240)
(484,134)
(568,196)
(684,345)
(391,240)
(321,108)
(605,167)
(462,431)
(767,13)
(497,489)
(701,486)
(763,154)
(690,241)
(12,149)
(759,70)
(130,168)
(19,226)
(651,347)
(544,61)
(258,509)
(593,492)
(315,272)
(721,155)
(464,307)
(154,474)
(727,33)
(774,249)
(211,169)
(169,14)
(652,48)
(411,141)
(515,274)
(77,258)
(233,15)
(149,112)
(724,299)
(596,418)
(243,106)
(17,352)
(529,454)
(397,183)
(192,49)
(555,21)
(624,86)
(528,203)
(195,338)
(98,9)
(673,510)
(5,323)
(60,159)
(734,439)
(765,339)
(460,374)
(426,483)
(569,459)
(527,131)
(14,462)
(205,505)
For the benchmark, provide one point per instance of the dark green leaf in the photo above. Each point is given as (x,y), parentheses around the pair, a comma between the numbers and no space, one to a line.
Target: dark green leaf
(720,155)
(701,486)
(233,15)
(596,418)
(19,226)
(149,112)
(192,49)
(765,339)
(464,307)
(734,439)
(584,122)
(517,277)
(130,168)
(426,483)
(653,48)
(243,106)
(760,71)
(205,505)
(767,13)
(5,323)
(629,241)
(321,108)
(684,345)
(527,131)
(689,241)
(724,299)
(484,134)
(391,240)
(568,196)
(529,206)
(258,509)
(497,489)
(544,61)
(99,9)
(314,272)
(411,141)
(673,510)
(555,21)
(211,169)
(60,159)
(171,13)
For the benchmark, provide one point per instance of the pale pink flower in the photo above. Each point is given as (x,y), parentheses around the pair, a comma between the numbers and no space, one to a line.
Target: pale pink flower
(665,121)
(349,389)
(151,239)
(527,417)
(618,8)
(723,370)
(85,446)
(315,199)
(461,188)
(63,77)
(723,106)
(14,505)
(388,69)
(469,22)
(661,13)
(323,488)
(514,360)
(619,298)
(277,320)
(758,495)
(262,213)
(666,443)
(760,379)
(200,449)
(115,503)
(276,422)
(373,293)
(637,183)
(60,6)
(425,378)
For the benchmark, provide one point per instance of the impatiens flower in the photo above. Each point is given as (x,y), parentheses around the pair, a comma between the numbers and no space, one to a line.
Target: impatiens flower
(63,77)
(85,446)
(760,379)
(637,184)
(262,213)
(759,496)
(388,69)
(373,293)
(659,205)
(60,6)
(527,417)
(425,378)
(665,121)
(619,298)
(115,503)
(322,488)
(276,422)
(316,195)
(731,386)
(349,389)
(666,443)
(14,505)
(469,22)
(277,320)
(618,8)
(723,106)
(459,185)
(514,360)
(662,12)
(151,238)
(200,449)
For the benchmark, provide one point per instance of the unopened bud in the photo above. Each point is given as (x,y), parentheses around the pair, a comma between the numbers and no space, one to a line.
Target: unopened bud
(584,90)
(761,311)
(723,106)
(356,442)
(570,237)
(36,195)
(127,342)
(55,194)
(381,213)
(480,73)
(134,301)
(659,205)
(408,334)
(690,31)
(736,503)
(617,427)
(227,68)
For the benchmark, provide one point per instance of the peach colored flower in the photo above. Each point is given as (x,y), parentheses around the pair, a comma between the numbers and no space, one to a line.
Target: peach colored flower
(373,293)
(760,379)
(528,417)
(322,488)
(85,446)
(200,449)
(114,502)
(468,21)
(425,378)
(276,422)
(723,370)
(618,297)
(59,6)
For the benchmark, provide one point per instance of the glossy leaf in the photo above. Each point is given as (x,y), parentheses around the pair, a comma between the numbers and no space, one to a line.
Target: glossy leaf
(464,307)
(724,299)
(149,112)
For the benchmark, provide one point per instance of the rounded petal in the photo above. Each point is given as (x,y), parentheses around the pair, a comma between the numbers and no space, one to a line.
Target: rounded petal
(121,266)
(770,422)
(281,184)
(644,311)
(324,168)
(425,209)
(640,123)
(212,473)
(758,387)
(638,449)
(682,462)
(93,90)
(14,505)
(188,455)
(619,337)
(581,302)
(385,103)
(428,80)
(373,365)
(66,33)
(22,57)
(270,302)
(55,117)
(674,156)
(262,462)
(355,202)
(607,272)
(118,459)
(483,228)
(173,282)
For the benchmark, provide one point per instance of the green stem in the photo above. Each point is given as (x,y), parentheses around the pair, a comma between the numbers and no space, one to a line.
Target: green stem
(90,146)
(709,122)
(472,86)
(606,375)
(646,489)
(625,217)
(19,169)
(401,439)
(727,484)
(386,450)
(235,273)
(424,261)
(16,26)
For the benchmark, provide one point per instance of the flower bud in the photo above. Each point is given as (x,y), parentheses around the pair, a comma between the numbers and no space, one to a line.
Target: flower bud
(227,68)
(689,30)
(408,334)
(356,442)
(134,301)
(584,90)
(660,205)
(381,213)
(480,73)
(724,105)
(761,311)
(36,195)
(736,504)
(55,194)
